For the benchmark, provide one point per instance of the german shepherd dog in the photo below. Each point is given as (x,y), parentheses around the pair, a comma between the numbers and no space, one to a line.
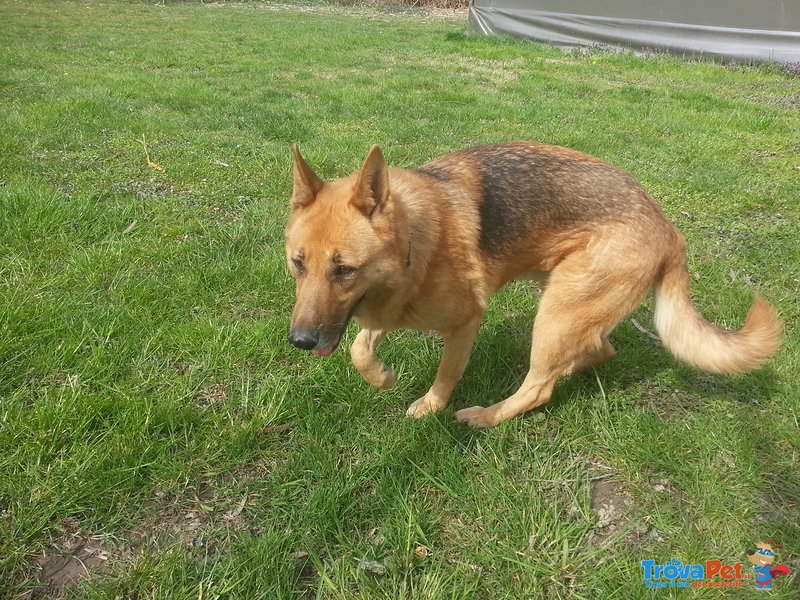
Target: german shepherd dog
(425,248)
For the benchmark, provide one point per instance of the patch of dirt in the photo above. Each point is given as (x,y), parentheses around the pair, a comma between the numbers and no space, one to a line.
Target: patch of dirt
(59,570)
(213,396)
(613,506)
(668,403)
(609,501)
(201,522)
(189,522)
(147,190)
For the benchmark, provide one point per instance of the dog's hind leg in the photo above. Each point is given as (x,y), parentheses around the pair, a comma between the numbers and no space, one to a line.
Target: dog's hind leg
(372,369)
(578,310)
(605,351)
(457,346)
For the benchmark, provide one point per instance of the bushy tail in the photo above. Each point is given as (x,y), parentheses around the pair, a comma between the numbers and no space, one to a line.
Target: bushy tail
(697,342)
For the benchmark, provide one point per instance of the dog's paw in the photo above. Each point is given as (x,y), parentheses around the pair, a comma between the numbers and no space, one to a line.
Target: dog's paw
(476,416)
(382,378)
(387,378)
(422,407)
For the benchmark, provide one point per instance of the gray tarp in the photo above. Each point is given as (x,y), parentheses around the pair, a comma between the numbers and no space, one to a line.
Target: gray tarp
(741,30)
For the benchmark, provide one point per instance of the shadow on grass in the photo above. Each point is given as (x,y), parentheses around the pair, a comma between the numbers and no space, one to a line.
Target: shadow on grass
(643,372)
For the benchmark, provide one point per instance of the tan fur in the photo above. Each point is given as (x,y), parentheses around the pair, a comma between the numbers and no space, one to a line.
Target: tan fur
(394,248)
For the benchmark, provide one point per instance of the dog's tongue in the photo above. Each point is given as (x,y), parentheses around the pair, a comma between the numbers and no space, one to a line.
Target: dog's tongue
(326,351)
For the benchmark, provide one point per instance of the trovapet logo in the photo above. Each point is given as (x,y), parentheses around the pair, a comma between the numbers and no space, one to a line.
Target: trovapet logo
(714,573)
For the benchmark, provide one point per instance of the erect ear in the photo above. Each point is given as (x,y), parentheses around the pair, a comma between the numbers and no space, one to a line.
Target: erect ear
(306,182)
(372,186)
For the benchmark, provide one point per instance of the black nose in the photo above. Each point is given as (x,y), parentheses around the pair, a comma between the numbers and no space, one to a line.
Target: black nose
(305,340)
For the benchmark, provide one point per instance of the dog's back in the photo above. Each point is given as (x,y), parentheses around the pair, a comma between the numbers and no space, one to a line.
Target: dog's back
(528,188)
(535,201)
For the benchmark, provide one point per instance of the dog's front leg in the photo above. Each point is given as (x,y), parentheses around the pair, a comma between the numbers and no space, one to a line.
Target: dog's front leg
(362,353)
(457,346)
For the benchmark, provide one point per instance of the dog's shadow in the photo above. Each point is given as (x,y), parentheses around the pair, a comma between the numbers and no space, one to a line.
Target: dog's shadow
(642,369)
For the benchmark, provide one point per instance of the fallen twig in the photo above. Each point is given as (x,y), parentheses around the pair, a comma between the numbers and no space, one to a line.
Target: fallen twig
(650,334)
(277,428)
(129,228)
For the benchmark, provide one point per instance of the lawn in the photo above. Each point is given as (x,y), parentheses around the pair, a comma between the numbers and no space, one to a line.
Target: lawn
(160,439)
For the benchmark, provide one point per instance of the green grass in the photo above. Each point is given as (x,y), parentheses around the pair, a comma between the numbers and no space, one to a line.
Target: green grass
(144,372)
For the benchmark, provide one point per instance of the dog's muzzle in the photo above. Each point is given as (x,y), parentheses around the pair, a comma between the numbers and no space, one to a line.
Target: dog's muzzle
(305,340)
(318,344)
(321,343)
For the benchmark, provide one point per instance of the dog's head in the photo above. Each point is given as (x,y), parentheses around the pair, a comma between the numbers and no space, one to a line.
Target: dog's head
(341,246)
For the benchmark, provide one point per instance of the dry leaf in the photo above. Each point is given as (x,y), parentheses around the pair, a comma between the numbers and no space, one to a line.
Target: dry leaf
(421,551)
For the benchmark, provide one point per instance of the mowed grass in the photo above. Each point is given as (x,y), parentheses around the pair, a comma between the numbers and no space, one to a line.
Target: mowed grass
(155,424)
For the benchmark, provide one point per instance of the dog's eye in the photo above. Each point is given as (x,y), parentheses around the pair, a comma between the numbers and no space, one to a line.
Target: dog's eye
(343,270)
(298,265)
